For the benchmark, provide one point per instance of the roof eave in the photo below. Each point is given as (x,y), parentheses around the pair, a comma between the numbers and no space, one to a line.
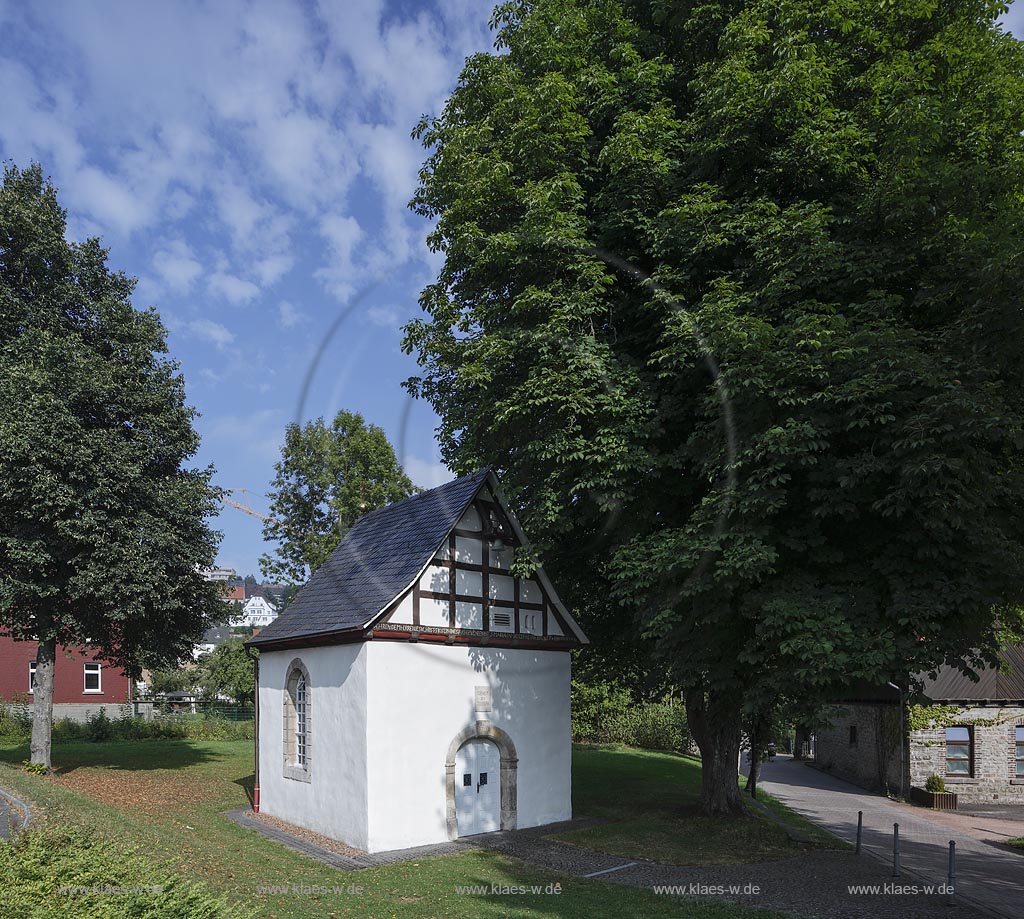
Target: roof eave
(313,639)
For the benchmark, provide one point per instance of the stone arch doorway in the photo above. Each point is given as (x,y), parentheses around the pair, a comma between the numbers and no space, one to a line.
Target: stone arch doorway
(509,762)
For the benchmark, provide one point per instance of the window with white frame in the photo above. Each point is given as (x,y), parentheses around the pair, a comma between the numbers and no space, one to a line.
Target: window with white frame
(959,750)
(297,724)
(300,721)
(92,678)
(31,676)
(1019,732)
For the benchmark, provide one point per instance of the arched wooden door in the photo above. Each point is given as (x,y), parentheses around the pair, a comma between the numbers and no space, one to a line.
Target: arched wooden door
(478,788)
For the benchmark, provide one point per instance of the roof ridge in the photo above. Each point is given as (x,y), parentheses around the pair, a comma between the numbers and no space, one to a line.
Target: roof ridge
(375,561)
(417,496)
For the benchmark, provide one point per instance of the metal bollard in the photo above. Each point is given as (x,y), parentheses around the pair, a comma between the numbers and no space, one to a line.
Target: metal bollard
(951,881)
(895,850)
(860,829)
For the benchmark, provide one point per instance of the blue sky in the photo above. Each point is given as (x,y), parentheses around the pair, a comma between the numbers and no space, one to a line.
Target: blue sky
(250,163)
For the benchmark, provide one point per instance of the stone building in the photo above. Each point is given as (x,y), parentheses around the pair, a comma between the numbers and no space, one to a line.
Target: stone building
(969,733)
(416,690)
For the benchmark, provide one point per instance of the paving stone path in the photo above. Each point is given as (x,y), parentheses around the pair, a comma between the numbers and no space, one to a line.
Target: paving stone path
(11,816)
(815,884)
(6,819)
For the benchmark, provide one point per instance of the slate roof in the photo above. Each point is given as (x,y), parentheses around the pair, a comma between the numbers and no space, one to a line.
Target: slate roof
(950,685)
(217,634)
(377,560)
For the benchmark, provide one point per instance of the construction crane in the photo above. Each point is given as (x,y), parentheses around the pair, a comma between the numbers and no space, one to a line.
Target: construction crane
(245,508)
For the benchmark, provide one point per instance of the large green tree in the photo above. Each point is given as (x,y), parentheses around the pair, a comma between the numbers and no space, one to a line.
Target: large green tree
(228,671)
(327,478)
(103,526)
(731,298)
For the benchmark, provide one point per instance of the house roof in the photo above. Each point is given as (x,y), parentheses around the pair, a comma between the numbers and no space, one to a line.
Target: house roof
(217,634)
(378,559)
(951,685)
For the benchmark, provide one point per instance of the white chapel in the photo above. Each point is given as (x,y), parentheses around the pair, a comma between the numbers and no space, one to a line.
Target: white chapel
(415,691)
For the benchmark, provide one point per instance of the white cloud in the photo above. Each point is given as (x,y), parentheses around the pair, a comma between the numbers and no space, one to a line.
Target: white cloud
(177,265)
(259,433)
(427,473)
(210,331)
(271,269)
(232,288)
(386,316)
(289,315)
(251,121)
(342,234)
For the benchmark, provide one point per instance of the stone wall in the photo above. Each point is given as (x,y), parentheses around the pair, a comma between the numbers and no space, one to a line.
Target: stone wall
(993,764)
(869,757)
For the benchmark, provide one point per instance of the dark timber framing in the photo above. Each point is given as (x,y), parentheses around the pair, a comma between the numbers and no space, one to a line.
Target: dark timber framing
(486,569)
(364,622)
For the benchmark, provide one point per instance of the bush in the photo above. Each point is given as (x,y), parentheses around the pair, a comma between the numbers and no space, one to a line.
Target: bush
(606,713)
(594,707)
(16,726)
(64,871)
(99,727)
(936,784)
(15,720)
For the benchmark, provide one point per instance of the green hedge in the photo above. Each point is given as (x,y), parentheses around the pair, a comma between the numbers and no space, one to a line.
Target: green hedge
(16,725)
(65,871)
(606,713)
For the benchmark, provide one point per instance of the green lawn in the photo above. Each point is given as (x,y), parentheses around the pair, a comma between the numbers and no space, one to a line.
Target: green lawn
(168,798)
(651,802)
(1017,843)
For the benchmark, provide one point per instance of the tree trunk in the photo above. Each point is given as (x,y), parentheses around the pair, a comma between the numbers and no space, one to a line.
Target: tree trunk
(798,743)
(755,761)
(715,724)
(42,702)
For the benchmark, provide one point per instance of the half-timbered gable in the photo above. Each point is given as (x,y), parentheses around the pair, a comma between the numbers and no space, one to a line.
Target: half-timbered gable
(435,567)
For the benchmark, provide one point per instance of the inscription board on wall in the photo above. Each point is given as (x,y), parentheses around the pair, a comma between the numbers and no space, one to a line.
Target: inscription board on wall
(483,698)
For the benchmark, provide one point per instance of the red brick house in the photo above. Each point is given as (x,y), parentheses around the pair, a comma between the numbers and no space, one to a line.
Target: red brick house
(81,683)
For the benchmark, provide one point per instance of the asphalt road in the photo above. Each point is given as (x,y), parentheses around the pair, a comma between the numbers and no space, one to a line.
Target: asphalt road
(988,872)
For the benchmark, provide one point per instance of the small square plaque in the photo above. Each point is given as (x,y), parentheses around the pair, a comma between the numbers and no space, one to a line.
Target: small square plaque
(483,698)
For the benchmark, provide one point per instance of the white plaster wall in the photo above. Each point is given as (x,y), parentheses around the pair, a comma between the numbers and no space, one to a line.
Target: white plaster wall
(421,696)
(334,802)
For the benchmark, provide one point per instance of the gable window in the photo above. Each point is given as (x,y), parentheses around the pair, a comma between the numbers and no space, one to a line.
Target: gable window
(92,678)
(1020,751)
(959,751)
(31,676)
(297,724)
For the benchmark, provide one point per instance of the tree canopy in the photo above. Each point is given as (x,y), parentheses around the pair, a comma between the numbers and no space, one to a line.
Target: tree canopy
(327,477)
(228,671)
(103,525)
(731,299)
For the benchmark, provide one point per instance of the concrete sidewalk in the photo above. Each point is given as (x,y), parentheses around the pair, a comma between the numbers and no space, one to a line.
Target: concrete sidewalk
(988,873)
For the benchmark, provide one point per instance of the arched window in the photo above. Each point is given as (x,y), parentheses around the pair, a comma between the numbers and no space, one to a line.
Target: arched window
(297,745)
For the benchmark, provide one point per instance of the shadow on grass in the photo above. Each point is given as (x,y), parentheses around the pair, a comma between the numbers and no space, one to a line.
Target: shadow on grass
(128,755)
(248,782)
